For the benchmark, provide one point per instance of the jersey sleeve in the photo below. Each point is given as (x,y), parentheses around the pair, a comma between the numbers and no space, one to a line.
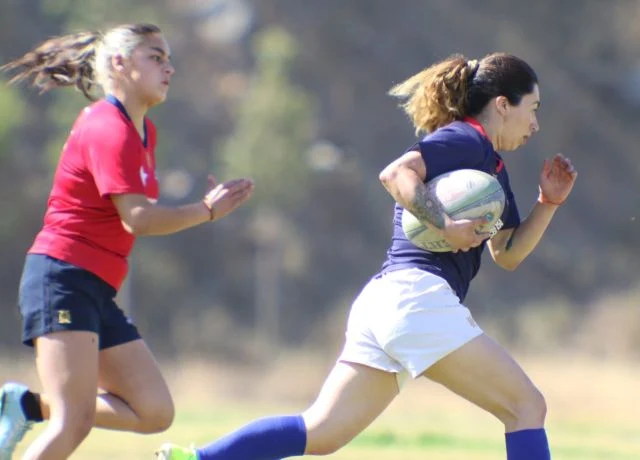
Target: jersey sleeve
(114,159)
(447,150)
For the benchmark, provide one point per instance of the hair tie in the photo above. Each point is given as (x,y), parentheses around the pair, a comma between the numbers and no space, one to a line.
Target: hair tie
(473,66)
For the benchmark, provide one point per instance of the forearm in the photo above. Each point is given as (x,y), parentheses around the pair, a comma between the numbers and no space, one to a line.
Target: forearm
(527,236)
(410,192)
(154,220)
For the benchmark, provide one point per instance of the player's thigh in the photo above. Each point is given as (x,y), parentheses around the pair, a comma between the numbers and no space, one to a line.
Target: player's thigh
(59,304)
(351,398)
(130,372)
(67,364)
(482,372)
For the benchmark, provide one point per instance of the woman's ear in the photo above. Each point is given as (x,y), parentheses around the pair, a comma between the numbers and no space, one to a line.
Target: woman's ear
(502,105)
(117,62)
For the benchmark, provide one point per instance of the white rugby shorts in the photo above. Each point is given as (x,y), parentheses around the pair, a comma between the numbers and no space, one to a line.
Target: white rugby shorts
(405,321)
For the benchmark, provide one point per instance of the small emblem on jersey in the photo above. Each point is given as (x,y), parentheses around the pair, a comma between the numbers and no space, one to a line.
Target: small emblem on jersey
(143,176)
(64,317)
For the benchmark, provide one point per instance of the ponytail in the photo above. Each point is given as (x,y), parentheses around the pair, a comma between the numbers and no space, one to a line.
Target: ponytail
(61,61)
(457,88)
(437,95)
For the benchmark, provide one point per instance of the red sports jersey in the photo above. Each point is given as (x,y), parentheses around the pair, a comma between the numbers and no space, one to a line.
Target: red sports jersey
(103,155)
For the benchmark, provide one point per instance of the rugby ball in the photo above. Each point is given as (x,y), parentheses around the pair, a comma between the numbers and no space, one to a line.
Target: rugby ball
(463,194)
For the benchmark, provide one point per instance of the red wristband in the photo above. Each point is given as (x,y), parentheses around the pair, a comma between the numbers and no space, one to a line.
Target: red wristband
(544,200)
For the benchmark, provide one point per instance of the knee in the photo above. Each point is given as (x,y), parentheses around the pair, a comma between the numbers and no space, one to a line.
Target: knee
(73,427)
(80,430)
(533,407)
(527,410)
(156,416)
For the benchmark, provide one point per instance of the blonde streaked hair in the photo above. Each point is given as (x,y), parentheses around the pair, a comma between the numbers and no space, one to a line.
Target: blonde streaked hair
(82,60)
(456,87)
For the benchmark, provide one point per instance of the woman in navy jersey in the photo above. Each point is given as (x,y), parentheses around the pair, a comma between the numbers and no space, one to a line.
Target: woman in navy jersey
(103,196)
(409,320)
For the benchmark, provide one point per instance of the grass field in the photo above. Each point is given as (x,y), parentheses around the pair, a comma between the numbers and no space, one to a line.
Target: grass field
(594,413)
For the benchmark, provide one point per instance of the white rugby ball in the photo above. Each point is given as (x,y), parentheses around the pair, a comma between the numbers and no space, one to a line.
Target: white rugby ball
(463,194)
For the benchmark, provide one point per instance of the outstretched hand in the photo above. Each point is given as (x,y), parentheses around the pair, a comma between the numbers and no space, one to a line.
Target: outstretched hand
(557,179)
(224,198)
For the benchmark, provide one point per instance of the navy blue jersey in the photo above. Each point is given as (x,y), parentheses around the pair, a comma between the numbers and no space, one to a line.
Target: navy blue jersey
(459,145)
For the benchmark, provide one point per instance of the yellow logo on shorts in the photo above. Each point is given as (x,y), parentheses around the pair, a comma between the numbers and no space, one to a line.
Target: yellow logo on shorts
(64,317)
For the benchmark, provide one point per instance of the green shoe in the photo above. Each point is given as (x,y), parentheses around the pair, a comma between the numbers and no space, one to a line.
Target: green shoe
(173,452)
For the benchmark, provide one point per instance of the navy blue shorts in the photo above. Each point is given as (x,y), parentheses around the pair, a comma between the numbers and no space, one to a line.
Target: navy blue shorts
(57,296)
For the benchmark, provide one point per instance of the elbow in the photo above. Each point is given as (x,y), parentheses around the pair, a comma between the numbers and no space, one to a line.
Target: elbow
(136,225)
(510,267)
(135,213)
(509,264)
(506,260)
(387,176)
(135,230)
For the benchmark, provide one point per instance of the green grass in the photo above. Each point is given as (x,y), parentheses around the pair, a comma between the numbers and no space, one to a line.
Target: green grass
(396,435)
(592,416)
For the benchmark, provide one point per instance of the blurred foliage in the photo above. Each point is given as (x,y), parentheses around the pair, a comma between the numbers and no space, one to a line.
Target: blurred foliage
(274,127)
(310,74)
(12,115)
(61,114)
(80,15)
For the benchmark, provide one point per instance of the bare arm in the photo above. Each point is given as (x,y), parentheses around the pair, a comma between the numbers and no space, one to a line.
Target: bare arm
(404,180)
(510,247)
(140,217)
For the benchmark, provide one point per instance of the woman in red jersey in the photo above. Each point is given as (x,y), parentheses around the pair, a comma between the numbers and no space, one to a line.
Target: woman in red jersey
(103,196)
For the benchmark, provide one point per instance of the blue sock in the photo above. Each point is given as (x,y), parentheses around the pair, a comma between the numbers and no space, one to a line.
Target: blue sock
(528,445)
(270,438)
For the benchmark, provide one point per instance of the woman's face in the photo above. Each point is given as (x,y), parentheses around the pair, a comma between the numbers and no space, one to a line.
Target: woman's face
(520,121)
(148,70)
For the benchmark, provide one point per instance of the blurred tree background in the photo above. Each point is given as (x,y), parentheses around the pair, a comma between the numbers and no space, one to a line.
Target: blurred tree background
(294,94)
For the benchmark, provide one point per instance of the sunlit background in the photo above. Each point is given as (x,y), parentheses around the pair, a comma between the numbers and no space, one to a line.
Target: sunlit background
(293,93)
